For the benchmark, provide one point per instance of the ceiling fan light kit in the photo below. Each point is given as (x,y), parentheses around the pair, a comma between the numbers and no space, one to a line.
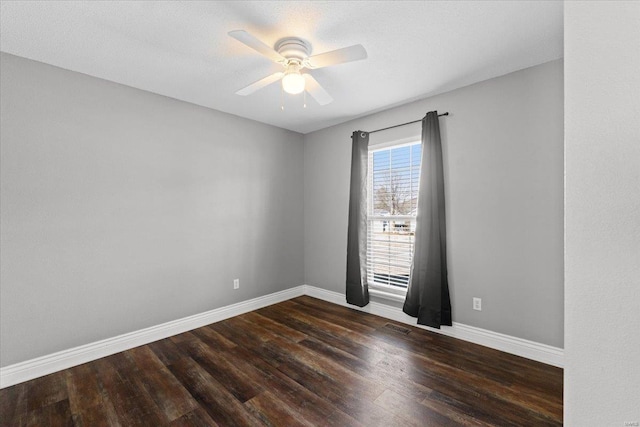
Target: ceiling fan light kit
(293,54)
(293,82)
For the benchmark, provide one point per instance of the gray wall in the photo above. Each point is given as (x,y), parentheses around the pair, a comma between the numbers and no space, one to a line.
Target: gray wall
(503,153)
(602,200)
(122,209)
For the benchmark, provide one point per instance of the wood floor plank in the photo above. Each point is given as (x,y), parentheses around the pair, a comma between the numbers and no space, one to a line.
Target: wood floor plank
(167,351)
(547,403)
(225,371)
(212,338)
(165,390)
(13,403)
(345,340)
(220,405)
(242,337)
(309,406)
(334,333)
(416,414)
(465,360)
(466,391)
(56,414)
(59,414)
(132,404)
(352,394)
(83,387)
(363,318)
(264,333)
(516,367)
(386,378)
(196,418)
(485,385)
(334,379)
(46,390)
(301,362)
(87,403)
(184,337)
(96,416)
(275,327)
(272,412)
(350,320)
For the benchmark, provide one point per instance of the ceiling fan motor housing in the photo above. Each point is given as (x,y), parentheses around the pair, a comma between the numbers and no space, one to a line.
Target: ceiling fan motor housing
(293,48)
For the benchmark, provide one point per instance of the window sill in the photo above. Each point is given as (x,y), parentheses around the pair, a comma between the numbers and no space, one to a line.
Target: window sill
(387,295)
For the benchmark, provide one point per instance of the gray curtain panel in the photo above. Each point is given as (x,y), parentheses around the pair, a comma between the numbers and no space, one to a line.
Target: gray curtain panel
(357,289)
(428,292)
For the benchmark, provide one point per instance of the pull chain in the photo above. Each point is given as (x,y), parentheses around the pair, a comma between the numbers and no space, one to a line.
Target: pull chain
(281,98)
(304,98)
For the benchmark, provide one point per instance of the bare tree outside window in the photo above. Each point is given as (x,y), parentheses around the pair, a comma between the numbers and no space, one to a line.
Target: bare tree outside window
(394,197)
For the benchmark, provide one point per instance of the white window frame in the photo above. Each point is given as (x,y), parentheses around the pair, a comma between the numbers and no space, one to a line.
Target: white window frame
(376,288)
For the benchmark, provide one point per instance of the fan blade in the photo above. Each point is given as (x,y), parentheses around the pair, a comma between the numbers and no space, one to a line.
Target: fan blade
(316,91)
(255,44)
(260,84)
(340,56)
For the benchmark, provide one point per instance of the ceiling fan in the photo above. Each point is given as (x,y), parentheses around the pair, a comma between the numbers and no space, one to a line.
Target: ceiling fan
(293,54)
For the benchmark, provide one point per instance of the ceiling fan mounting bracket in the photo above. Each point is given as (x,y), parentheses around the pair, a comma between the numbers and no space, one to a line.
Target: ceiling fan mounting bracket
(293,48)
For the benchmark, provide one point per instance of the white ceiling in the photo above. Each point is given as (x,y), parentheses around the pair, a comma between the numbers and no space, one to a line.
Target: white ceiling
(181,49)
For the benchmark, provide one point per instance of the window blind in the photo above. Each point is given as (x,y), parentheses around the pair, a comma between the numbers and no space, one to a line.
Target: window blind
(393,201)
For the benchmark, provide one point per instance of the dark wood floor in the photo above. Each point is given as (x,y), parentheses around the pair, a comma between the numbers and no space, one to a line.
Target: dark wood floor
(300,362)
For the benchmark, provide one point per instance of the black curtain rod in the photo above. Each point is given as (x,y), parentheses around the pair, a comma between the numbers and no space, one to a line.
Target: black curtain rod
(404,124)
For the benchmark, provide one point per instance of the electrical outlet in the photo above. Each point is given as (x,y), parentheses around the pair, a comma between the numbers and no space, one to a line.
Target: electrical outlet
(477,304)
(236,283)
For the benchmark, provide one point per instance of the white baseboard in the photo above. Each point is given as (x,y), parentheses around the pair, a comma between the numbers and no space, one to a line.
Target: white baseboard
(520,347)
(34,368)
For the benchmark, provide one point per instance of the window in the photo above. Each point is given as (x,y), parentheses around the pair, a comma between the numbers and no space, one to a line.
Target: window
(393,201)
